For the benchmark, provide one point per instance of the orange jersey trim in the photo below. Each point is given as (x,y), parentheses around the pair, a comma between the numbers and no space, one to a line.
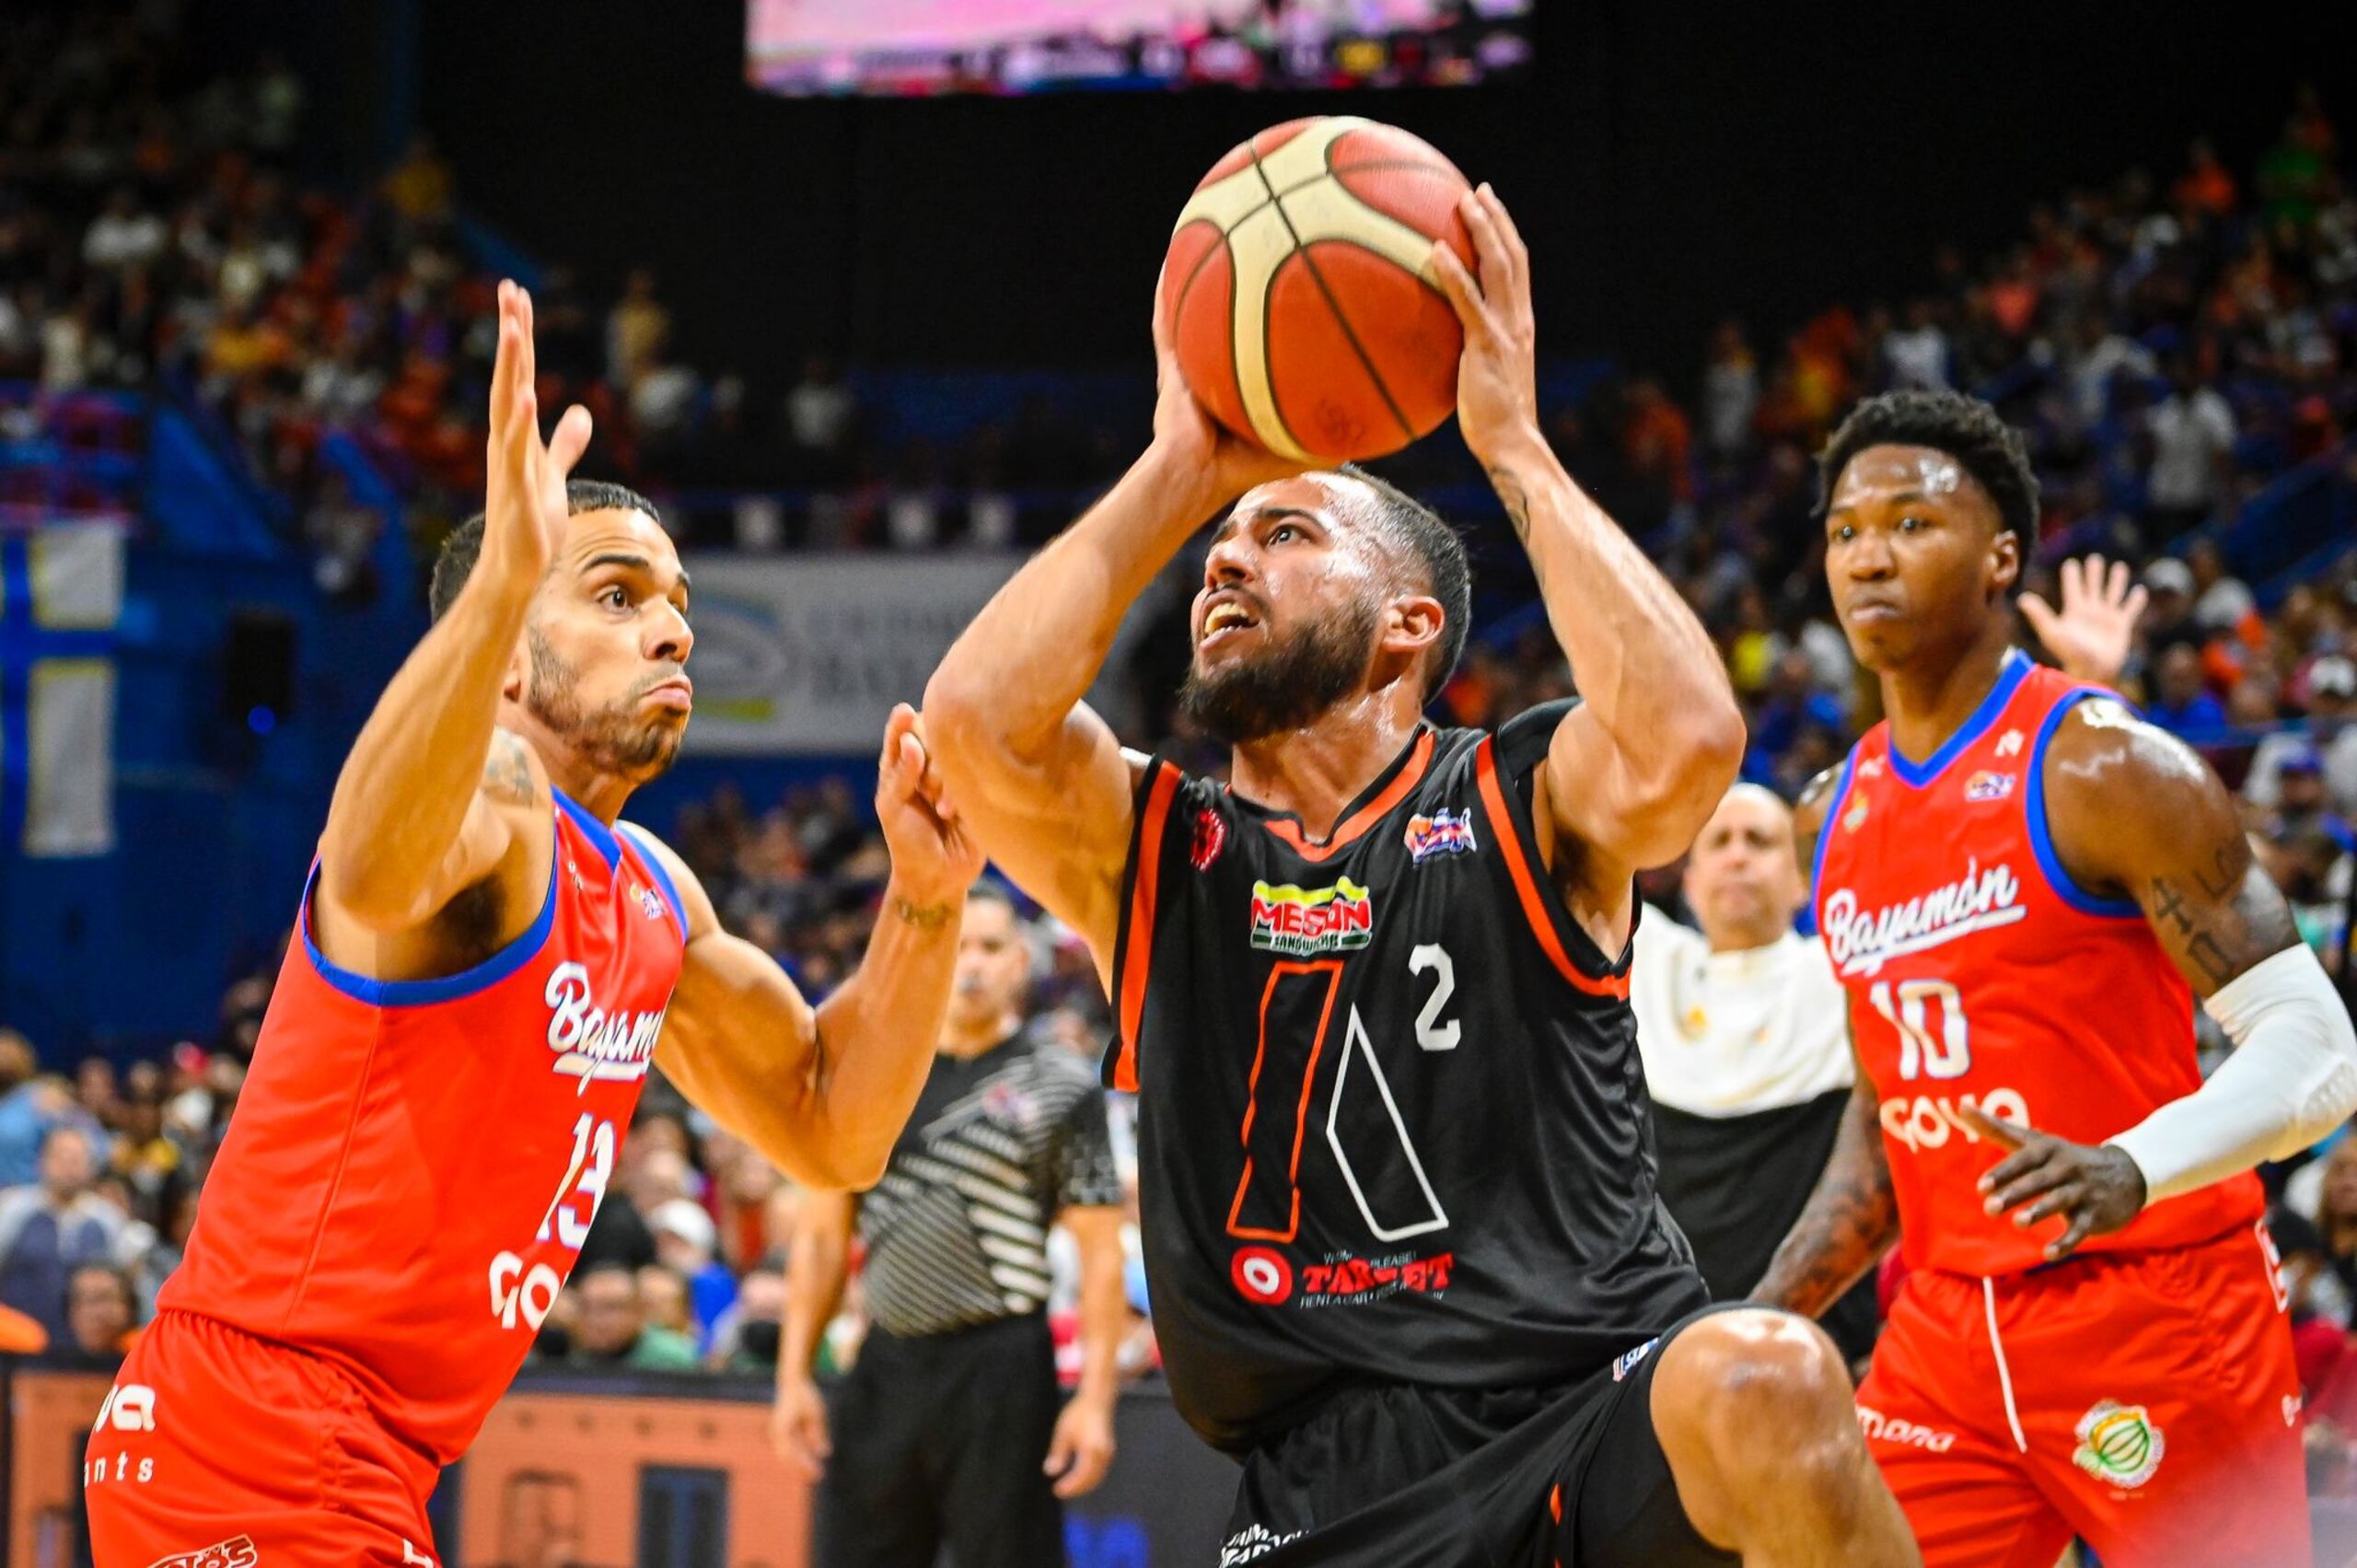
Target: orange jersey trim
(1365,816)
(1332,970)
(1138,956)
(1526,885)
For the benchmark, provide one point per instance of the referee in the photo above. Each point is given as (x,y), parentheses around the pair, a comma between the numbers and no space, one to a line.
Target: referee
(948,1428)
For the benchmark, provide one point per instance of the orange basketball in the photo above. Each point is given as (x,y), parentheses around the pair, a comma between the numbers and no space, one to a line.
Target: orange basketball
(1299,292)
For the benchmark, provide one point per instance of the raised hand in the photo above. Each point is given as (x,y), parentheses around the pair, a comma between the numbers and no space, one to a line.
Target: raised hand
(524,504)
(2091,636)
(935,859)
(1185,432)
(2092,1190)
(1497,377)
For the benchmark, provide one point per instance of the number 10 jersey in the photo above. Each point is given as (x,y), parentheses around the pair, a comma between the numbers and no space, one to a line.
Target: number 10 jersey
(1392,1116)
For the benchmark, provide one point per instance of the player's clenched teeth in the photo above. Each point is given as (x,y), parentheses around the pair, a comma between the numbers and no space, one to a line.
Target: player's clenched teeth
(1226,616)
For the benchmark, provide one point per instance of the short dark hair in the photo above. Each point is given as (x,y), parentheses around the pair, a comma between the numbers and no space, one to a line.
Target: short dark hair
(1417,530)
(1965,428)
(457,558)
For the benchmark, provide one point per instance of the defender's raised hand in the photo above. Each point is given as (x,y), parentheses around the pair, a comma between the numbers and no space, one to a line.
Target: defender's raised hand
(1497,379)
(524,504)
(935,859)
(2091,635)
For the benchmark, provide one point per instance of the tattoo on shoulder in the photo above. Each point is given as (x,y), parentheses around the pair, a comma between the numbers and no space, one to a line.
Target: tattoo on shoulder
(508,772)
(1509,489)
(924,917)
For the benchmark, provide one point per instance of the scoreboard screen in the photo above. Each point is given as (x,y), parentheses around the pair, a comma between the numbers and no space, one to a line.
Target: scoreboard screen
(919,48)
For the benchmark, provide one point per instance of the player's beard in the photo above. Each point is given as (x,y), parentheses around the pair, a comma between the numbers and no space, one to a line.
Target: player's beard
(1285,686)
(615,740)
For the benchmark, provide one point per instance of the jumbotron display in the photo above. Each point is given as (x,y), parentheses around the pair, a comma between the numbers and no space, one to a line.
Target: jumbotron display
(919,48)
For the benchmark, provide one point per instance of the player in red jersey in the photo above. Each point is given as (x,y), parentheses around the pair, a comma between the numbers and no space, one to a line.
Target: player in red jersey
(2022,886)
(487,964)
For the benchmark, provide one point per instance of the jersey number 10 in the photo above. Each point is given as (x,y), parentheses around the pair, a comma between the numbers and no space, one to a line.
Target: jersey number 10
(1924,1053)
(1385,1176)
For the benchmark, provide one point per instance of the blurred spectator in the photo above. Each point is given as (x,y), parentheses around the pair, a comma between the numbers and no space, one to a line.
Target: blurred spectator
(636,330)
(686,1243)
(2330,735)
(746,1338)
(2222,600)
(663,1297)
(2192,437)
(102,1317)
(420,187)
(1917,355)
(610,1330)
(1730,391)
(52,1226)
(2180,703)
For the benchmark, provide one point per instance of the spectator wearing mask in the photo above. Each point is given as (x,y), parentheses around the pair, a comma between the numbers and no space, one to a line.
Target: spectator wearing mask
(938,1434)
(746,1338)
(610,1332)
(1744,1035)
(52,1226)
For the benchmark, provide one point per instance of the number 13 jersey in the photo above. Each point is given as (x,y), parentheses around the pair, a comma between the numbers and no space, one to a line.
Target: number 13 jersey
(413,1164)
(1392,1117)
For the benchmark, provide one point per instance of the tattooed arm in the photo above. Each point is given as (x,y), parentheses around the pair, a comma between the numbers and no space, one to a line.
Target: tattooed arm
(1634,772)
(1852,1218)
(2136,813)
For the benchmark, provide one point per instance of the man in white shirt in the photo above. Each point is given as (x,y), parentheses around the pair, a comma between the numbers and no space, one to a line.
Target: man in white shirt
(1745,1041)
(2192,432)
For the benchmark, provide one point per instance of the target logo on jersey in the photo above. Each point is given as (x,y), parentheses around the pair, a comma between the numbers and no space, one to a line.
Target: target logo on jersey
(1261,1275)
(1299,294)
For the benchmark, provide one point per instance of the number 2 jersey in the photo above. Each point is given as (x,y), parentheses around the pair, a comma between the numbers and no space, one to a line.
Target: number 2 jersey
(413,1164)
(1980,974)
(1392,1117)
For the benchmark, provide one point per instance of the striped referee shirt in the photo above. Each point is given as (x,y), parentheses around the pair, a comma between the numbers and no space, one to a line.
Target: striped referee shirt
(957,1231)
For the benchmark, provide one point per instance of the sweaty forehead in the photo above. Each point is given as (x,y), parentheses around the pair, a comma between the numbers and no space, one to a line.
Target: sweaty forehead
(1884,472)
(1330,497)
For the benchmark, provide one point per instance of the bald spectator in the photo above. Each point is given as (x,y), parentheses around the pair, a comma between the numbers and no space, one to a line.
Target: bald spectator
(1745,1041)
(49,1227)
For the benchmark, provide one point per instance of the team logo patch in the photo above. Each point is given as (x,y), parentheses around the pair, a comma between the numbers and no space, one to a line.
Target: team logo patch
(1855,817)
(2118,1444)
(1442,832)
(1626,1362)
(1302,921)
(1210,837)
(1989,786)
(647,901)
(1262,1276)
(236,1553)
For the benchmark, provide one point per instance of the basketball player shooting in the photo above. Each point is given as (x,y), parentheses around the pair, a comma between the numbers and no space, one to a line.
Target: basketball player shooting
(1406,1260)
(2022,886)
(487,962)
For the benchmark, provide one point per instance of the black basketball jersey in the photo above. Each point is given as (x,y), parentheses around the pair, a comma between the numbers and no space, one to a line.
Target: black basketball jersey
(1392,1123)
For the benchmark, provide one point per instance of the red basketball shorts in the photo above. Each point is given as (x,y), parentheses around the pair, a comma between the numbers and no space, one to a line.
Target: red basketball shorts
(219,1450)
(2146,1404)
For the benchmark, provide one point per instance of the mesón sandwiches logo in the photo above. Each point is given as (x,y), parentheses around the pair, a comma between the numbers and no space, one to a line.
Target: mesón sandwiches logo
(1304,921)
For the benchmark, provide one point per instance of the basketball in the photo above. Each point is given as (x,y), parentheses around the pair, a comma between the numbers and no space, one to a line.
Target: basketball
(1298,290)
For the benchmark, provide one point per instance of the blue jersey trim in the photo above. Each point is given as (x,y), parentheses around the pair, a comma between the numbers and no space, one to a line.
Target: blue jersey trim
(662,877)
(451,988)
(1915,775)
(1825,829)
(596,832)
(2041,839)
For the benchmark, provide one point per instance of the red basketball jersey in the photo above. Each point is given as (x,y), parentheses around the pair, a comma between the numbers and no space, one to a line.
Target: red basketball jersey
(413,1164)
(1980,975)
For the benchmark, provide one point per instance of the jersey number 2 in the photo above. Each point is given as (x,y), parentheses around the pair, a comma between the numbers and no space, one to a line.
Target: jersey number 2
(1284,1072)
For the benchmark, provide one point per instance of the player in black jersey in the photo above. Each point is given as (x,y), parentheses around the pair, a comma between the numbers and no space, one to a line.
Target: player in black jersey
(1405,1257)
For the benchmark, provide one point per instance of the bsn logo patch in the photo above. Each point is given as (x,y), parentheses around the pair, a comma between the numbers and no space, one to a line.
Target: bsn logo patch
(2118,1444)
(1442,832)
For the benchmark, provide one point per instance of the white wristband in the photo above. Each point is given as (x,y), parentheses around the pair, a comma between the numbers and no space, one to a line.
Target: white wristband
(2293,1078)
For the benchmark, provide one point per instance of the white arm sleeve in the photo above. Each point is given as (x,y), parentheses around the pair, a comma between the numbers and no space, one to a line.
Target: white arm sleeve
(2293,1078)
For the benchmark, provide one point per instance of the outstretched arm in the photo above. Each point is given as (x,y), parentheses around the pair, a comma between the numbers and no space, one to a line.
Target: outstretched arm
(1040,779)
(1852,1217)
(822,1093)
(2136,813)
(1639,766)
(427,804)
